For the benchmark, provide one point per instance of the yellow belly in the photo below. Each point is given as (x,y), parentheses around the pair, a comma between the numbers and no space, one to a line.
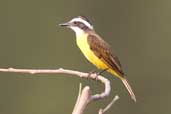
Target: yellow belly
(85,48)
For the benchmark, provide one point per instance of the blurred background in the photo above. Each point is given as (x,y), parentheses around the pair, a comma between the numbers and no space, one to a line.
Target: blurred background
(139,32)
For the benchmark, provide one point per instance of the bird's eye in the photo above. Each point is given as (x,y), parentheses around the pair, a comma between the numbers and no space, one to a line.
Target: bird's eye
(75,22)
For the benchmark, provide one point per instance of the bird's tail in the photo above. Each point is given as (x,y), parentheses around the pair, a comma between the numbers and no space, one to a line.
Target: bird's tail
(125,82)
(128,87)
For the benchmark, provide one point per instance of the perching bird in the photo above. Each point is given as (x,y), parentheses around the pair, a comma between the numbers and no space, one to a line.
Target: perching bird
(96,50)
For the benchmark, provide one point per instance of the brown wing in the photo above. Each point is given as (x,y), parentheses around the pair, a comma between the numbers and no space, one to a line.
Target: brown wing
(102,50)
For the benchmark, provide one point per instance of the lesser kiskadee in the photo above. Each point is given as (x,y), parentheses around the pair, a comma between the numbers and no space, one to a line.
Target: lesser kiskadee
(96,50)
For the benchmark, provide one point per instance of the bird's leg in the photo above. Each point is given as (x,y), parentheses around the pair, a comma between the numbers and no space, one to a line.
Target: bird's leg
(97,73)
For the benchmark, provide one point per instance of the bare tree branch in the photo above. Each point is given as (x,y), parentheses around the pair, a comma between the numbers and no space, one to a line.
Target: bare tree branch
(83,101)
(78,98)
(93,76)
(84,96)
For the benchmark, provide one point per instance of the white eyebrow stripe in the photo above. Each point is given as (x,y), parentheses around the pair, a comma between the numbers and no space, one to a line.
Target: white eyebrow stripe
(83,21)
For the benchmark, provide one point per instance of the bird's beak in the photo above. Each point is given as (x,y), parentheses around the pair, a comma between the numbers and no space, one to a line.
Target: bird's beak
(65,24)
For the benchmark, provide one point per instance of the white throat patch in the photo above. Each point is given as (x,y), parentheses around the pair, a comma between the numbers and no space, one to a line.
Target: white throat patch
(77,30)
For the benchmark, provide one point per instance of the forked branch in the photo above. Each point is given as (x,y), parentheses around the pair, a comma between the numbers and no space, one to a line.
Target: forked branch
(84,95)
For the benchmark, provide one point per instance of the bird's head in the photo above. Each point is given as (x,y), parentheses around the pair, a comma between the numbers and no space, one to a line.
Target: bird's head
(78,24)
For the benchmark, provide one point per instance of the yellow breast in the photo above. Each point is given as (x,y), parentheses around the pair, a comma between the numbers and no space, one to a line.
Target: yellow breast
(85,48)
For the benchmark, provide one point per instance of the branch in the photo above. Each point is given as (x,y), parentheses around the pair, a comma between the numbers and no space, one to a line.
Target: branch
(84,96)
(82,100)
(94,76)
(101,111)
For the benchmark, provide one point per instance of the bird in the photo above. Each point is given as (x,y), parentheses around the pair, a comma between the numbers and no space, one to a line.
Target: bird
(96,50)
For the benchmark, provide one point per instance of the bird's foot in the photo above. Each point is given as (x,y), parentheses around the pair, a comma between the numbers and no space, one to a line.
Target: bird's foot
(90,73)
(96,73)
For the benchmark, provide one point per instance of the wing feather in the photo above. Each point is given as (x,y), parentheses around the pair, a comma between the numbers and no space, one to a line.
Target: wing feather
(102,50)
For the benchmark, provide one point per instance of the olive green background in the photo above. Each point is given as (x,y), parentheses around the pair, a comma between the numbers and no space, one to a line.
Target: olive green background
(139,32)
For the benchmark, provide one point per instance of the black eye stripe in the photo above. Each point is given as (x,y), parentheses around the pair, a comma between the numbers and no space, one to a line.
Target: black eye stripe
(77,23)
(81,25)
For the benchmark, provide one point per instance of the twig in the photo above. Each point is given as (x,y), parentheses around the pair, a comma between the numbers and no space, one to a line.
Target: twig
(101,111)
(78,98)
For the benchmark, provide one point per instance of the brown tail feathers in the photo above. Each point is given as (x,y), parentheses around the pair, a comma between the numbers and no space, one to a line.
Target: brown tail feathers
(128,87)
